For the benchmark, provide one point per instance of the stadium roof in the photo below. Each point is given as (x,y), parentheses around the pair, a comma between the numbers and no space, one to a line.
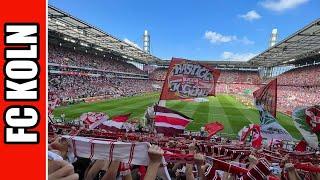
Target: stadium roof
(77,31)
(302,44)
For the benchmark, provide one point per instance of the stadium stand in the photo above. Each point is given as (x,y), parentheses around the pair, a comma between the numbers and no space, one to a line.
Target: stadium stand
(72,87)
(159,74)
(237,76)
(66,56)
(303,76)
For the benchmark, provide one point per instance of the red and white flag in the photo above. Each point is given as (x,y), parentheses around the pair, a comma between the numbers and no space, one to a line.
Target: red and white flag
(213,128)
(255,131)
(116,122)
(313,118)
(170,122)
(256,137)
(93,119)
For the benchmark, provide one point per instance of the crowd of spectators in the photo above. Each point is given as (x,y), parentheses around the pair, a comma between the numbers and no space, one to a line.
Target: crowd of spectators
(65,56)
(159,74)
(71,87)
(237,76)
(303,76)
(290,97)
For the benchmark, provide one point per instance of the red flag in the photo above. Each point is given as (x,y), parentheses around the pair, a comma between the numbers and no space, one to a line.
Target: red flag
(121,118)
(267,97)
(213,128)
(301,146)
(189,79)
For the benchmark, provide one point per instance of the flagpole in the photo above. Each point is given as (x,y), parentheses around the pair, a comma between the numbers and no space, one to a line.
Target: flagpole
(163,102)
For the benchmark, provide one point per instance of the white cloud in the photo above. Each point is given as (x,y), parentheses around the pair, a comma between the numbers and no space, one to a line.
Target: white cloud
(282,5)
(131,43)
(250,16)
(230,56)
(215,37)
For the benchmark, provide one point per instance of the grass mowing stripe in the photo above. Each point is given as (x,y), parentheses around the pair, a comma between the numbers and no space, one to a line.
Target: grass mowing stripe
(200,116)
(226,122)
(250,116)
(137,110)
(238,120)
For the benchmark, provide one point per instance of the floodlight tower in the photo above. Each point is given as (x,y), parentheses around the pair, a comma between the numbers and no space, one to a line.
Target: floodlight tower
(146,41)
(268,71)
(273,38)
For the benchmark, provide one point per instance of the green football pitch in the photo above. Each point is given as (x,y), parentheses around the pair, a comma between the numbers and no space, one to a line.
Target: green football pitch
(223,108)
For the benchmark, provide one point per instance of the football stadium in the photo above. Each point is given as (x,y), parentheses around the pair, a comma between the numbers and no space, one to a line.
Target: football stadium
(250,115)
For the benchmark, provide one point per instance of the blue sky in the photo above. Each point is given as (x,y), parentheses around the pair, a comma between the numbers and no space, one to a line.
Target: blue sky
(197,29)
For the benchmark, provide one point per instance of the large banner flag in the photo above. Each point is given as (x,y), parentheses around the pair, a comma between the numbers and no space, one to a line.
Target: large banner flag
(267,97)
(213,128)
(307,121)
(189,79)
(170,122)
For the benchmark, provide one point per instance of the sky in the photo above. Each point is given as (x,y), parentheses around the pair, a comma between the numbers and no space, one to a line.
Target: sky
(196,29)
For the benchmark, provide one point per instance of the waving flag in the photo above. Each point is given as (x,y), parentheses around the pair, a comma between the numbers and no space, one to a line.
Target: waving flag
(93,119)
(255,131)
(267,97)
(213,128)
(266,103)
(256,137)
(189,79)
(306,119)
(170,122)
(116,123)
(270,128)
(313,118)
